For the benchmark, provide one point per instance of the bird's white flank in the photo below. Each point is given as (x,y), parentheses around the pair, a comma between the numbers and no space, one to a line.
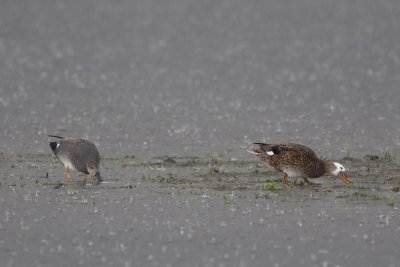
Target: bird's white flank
(271,153)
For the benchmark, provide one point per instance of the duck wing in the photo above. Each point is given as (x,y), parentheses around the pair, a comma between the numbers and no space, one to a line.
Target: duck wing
(284,149)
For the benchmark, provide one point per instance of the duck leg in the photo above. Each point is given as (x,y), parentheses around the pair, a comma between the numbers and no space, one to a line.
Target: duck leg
(68,175)
(84,179)
(306,181)
(285,178)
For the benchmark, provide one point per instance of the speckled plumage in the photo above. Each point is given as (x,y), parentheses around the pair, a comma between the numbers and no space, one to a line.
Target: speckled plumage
(295,160)
(78,155)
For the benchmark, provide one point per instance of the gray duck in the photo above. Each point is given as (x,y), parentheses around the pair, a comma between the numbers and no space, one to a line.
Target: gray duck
(77,155)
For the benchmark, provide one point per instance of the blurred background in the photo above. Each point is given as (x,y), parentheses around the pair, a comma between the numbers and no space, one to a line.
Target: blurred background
(154,77)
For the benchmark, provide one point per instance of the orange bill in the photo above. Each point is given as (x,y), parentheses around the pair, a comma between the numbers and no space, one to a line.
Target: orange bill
(346,180)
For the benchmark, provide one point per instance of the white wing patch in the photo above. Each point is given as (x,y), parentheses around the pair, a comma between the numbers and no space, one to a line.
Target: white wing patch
(271,153)
(58,144)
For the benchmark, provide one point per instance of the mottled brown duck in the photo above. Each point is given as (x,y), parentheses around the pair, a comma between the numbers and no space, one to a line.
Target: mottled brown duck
(294,160)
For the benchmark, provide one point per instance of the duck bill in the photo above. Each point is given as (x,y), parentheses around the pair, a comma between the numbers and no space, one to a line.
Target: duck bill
(98,177)
(346,180)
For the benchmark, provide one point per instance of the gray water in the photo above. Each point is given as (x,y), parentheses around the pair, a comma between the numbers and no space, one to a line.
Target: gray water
(202,80)
(150,77)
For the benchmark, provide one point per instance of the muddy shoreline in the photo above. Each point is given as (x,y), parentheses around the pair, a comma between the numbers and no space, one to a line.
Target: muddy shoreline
(187,210)
(173,93)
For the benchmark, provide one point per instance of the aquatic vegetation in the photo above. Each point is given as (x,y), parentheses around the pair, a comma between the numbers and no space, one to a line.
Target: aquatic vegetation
(391,201)
(388,157)
(229,199)
(369,158)
(271,186)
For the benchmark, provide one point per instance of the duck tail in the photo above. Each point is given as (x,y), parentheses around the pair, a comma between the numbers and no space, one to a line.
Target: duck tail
(53,145)
(56,136)
(267,148)
(261,144)
(264,146)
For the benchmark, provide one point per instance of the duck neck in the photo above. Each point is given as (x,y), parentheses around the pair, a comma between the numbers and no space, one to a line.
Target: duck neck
(329,166)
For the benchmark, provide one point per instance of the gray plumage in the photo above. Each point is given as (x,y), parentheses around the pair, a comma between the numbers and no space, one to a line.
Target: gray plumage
(78,155)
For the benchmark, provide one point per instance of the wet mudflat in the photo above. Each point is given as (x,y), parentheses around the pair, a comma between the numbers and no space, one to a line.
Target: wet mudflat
(186,87)
(188,211)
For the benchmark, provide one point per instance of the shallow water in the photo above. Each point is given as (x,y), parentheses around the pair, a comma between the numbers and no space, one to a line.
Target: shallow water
(195,211)
(198,82)
(149,78)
